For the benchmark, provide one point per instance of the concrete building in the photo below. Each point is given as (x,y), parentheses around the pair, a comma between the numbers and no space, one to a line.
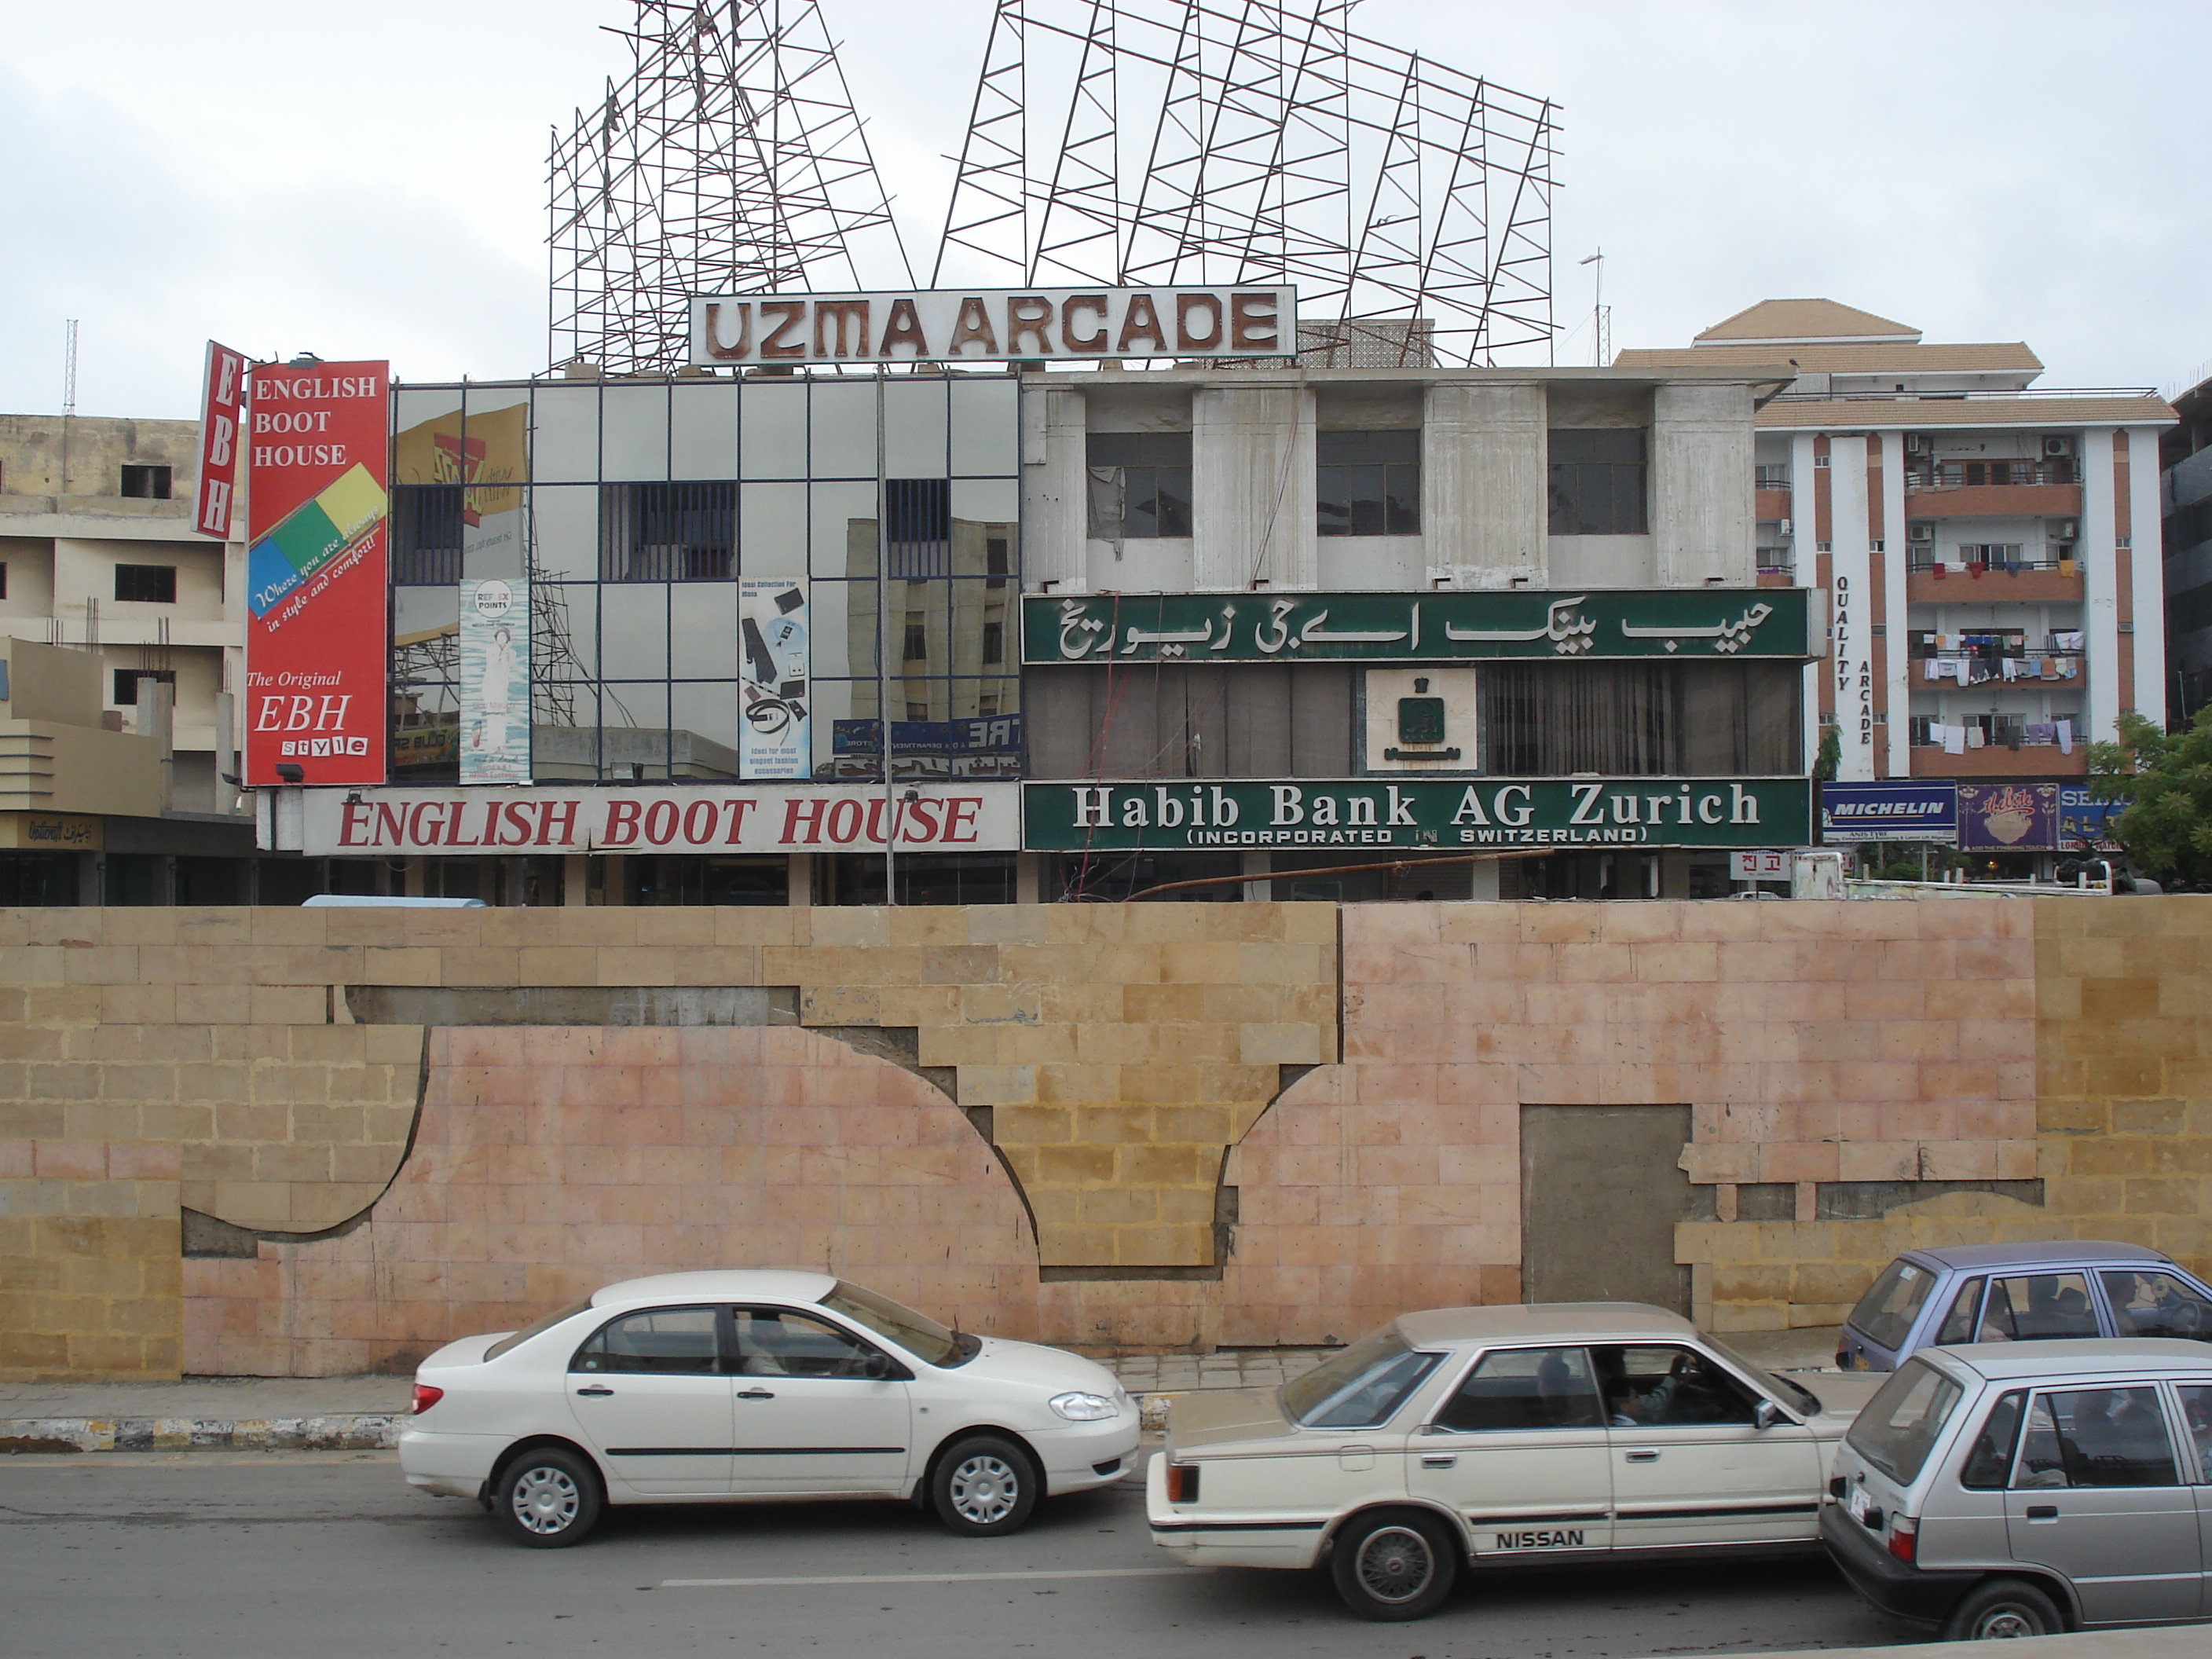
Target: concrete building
(118,622)
(2185,503)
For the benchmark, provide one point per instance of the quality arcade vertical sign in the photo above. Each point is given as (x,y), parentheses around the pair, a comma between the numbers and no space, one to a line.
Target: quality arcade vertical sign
(316,652)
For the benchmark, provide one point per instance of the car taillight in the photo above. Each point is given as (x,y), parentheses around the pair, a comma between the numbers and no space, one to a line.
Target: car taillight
(426,1396)
(1182,1484)
(1903,1537)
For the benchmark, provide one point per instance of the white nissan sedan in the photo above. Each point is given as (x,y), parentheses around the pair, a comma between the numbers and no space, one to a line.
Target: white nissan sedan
(744,1386)
(1576,1433)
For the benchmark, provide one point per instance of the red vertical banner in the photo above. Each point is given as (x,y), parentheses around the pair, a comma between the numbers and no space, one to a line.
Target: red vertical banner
(317,660)
(222,401)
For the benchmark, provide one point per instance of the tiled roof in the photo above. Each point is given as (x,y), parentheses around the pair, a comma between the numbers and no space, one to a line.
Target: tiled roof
(1901,357)
(1804,320)
(1889,414)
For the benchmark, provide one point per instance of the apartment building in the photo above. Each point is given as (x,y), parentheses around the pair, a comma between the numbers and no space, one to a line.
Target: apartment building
(2185,502)
(1975,535)
(118,622)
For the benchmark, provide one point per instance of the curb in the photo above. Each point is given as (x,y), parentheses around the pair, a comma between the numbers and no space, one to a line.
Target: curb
(347,1431)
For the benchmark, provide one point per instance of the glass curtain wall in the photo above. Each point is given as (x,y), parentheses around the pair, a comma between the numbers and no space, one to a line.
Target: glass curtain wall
(718,592)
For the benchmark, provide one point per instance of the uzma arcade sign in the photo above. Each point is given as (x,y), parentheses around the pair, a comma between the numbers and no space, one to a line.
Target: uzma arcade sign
(1460,815)
(1692,622)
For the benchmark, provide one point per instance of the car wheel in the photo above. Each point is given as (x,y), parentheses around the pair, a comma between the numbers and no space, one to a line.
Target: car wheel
(984,1487)
(2000,1608)
(1394,1567)
(548,1499)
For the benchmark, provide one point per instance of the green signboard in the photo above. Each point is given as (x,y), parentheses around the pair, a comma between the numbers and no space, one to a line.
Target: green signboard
(1674,621)
(1434,814)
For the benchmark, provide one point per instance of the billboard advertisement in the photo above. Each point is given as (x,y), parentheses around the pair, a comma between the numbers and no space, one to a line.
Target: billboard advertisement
(222,401)
(1896,810)
(493,649)
(2083,820)
(316,654)
(2009,818)
(772,678)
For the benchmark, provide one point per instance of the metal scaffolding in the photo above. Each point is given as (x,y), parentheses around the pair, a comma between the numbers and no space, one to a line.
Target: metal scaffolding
(731,158)
(1116,143)
(1156,142)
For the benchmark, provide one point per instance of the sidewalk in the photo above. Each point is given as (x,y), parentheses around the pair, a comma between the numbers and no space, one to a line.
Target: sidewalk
(358,1413)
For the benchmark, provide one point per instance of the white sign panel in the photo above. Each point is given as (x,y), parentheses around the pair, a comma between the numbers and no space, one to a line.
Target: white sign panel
(993,326)
(495,670)
(772,668)
(1759,865)
(828,817)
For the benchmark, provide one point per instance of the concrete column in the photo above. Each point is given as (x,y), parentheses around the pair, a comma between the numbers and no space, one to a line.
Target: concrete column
(799,878)
(2099,551)
(1482,880)
(2148,595)
(575,879)
(1850,662)
(1029,876)
(1484,514)
(1897,679)
(1252,489)
(1054,491)
(1703,465)
(614,866)
(1805,559)
(1258,864)
(412,876)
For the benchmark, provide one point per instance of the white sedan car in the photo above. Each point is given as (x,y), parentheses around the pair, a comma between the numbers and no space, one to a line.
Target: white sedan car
(721,1387)
(1499,1436)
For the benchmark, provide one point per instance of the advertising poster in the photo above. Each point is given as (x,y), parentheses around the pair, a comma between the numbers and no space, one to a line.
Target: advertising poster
(222,404)
(316,655)
(489,460)
(495,670)
(772,671)
(1898,809)
(2084,821)
(2001,817)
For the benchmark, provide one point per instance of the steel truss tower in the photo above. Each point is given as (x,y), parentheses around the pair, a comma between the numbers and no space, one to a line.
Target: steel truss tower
(731,158)
(1156,141)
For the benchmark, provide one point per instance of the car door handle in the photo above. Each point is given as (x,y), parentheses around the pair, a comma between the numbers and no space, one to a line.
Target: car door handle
(594,1390)
(755,1394)
(1439,1460)
(2043,1511)
(1644,1456)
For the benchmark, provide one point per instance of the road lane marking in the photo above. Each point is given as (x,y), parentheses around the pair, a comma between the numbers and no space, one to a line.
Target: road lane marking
(931,1578)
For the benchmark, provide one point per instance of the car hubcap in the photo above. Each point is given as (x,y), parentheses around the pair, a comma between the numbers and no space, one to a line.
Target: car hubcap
(1395,1564)
(545,1500)
(2001,1622)
(984,1491)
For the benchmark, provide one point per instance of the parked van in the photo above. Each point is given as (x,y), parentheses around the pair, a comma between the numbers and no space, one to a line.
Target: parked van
(2025,1488)
(2020,1293)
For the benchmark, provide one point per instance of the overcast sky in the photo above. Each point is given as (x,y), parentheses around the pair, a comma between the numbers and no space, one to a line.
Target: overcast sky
(367,180)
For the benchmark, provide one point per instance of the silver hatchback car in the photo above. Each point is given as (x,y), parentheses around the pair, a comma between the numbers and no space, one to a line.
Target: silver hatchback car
(2025,1488)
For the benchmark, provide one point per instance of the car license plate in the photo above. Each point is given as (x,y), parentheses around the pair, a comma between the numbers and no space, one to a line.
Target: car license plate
(1858,1503)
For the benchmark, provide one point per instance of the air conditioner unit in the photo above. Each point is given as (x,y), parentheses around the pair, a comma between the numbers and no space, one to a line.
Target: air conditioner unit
(1919,443)
(1922,533)
(1787,528)
(2055,448)
(2066,529)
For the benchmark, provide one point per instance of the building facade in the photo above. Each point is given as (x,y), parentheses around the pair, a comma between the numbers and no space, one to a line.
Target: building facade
(2186,500)
(123,633)
(1975,534)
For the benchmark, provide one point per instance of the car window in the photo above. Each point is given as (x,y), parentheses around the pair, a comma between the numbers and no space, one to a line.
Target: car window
(2029,1307)
(1525,1389)
(536,1326)
(1665,1386)
(1989,1463)
(1898,1428)
(1359,1387)
(778,1342)
(673,1341)
(1958,1324)
(917,1333)
(2157,1304)
(2096,1438)
(2197,1418)
(1887,1311)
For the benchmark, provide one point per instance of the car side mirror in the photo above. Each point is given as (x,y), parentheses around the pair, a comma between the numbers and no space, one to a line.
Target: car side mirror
(1767,1415)
(876,1367)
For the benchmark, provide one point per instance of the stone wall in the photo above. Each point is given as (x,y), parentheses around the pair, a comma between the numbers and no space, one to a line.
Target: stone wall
(1113,1126)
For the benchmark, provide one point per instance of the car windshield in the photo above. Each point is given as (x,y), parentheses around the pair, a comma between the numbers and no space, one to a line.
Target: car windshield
(1886,1312)
(1359,1387)
(1796,1393)
(531,1329)
(917,1333)
(1897,1429)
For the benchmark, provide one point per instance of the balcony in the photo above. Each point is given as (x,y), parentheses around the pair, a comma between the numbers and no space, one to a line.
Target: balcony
(1769,505)
(2042,581)
(1964,490)
(1992,761)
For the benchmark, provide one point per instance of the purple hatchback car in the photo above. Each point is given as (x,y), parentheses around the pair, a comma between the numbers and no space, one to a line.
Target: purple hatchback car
(2020,1293)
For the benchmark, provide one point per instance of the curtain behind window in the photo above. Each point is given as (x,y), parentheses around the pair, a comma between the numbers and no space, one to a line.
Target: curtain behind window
(1640,718)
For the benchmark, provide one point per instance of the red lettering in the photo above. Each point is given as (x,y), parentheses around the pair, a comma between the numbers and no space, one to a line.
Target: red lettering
(391,826)
(351,817)
(622,824)
(845,822)
(517,814)
(661,823)
(737,809)
(416,835)
(921,821)
(453,825)
(565,812)
(876,821)
(807,810)
(960,810)
(698,830)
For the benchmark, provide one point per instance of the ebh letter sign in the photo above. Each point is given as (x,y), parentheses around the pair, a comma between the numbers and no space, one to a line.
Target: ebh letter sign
(316,656)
